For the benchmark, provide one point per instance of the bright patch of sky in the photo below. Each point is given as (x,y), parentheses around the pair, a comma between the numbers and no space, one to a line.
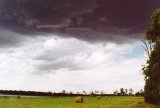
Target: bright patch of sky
(56,64)
(136,52)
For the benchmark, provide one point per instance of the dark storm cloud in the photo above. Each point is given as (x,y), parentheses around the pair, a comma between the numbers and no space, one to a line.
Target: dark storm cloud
(91,20)
(31,15)
(114,19)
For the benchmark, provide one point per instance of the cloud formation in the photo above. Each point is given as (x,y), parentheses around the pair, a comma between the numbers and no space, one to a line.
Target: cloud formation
(91,20)
(51,63)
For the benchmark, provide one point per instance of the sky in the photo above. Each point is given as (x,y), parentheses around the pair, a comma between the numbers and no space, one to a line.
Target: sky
(73,45)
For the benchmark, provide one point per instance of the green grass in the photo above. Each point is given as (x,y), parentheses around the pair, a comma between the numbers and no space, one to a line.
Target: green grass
(68,102)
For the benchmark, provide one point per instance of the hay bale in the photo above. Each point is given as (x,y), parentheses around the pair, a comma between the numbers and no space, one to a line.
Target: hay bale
(79,99)
(98,97)
(18,97)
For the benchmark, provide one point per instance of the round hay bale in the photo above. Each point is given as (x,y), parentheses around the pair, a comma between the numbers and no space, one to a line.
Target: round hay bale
(79,99)
(18,97)
(98,97)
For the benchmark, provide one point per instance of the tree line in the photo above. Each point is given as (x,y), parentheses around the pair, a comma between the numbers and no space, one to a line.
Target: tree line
(121,92)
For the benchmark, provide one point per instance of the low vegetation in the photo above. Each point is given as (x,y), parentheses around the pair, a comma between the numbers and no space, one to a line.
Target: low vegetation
(69,102)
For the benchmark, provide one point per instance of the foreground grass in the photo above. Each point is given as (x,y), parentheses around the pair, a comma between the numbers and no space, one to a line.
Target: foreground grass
(68,102)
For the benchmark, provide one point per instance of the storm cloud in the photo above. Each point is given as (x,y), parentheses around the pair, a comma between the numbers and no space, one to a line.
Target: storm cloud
(91,20)
(49,44)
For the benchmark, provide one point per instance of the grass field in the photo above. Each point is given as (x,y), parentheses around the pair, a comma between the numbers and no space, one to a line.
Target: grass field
(68,102)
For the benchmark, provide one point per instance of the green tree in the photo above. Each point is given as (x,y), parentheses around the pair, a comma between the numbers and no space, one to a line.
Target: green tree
(126,91)
(152,69)
(84,92)
(115,92)
(122,91)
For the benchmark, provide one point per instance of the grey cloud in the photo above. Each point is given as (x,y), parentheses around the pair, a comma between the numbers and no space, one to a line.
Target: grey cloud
(62,54)
(63,62)
(10,39)
(91,20)
(69,65)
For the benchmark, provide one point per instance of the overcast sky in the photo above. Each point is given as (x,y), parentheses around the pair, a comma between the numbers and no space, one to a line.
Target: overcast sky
(73,45)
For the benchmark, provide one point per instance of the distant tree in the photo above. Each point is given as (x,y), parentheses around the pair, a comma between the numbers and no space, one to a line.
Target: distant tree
(96,91)
(49,93)
(130,91)
(84,92)
(142,92)
(63,91)
(138,93)
(102,92)
(152,68)
(115,92)
(126,91)
(122,91)
(92,93)
(70,92)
